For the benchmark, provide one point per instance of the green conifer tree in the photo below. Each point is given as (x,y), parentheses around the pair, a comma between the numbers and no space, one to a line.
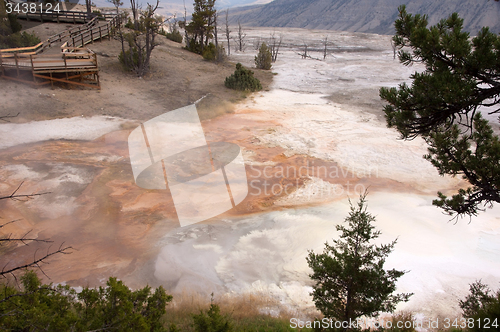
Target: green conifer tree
(201,28)
(350,279)
(212,320)
(444,103)
(481,308)
(263,60)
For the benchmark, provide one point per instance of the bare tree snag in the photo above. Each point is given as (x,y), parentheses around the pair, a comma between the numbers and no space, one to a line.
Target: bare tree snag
(228,33)
(240,39)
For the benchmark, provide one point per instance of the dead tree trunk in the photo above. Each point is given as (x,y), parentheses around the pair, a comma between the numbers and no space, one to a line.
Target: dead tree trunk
(275,46)
(228,33)
(134,6)
(241,38)
(216,30)
(304,55)
(186,35)
(325,42)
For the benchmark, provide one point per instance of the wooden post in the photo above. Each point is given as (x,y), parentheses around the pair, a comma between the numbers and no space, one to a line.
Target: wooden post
(1,65)
(92,35)
(65,66)
(33,69)
(82,40)
(100,34)
(17,66)
(74,21)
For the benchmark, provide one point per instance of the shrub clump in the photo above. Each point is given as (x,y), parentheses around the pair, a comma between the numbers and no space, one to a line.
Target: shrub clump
(98,13)
(194,46)
(10,35)
(20,40)
(212,321)
(39,307)
(175,36)
(130,61)
(264,58)
(481,305)
(129,24)
(243,79)
(214,53)
(209,52)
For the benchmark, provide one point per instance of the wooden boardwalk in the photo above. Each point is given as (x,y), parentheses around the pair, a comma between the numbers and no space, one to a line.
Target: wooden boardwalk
(75,64)
(62,16)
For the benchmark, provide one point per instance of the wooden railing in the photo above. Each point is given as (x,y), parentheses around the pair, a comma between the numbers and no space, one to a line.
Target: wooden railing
(51,40)
(91,33)
(73,31)
(75,37)
(78,63)
(49,14)
(61,16)
(39,62)
(24,50)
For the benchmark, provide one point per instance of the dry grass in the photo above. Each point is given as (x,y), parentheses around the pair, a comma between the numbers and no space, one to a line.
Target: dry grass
(250,312)
(212,106)
(405,319)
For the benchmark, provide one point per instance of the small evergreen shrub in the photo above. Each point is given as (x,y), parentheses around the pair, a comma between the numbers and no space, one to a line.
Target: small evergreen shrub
(129,24)
(481,305)
(243,79)
(11,37)
(209,52)
(221,54)
(29,39)
(175,36)
(194,46)
(132,60)
(264,58)
(212,321)
(98,13)
(213,53)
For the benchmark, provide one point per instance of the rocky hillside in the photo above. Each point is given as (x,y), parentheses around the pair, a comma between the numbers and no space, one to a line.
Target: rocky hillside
(374,16)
